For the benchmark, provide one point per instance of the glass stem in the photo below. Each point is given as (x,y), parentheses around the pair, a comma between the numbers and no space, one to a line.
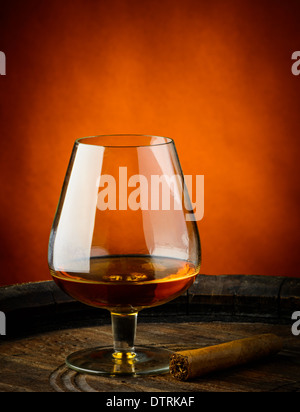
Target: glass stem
(124,329)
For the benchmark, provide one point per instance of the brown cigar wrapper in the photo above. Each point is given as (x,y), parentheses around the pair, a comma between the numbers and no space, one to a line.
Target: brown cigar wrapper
(194,363)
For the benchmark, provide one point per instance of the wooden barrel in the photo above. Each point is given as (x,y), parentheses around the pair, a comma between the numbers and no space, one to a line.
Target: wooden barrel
(43,325)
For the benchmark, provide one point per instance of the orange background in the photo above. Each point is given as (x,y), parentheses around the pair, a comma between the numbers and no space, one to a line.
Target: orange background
(213,75)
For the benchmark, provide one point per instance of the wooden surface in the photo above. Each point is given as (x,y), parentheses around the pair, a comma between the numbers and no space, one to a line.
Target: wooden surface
(41,306)
(36,363)
(44,325)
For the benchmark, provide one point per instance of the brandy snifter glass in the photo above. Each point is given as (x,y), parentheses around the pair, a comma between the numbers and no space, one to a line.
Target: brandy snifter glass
(124,239)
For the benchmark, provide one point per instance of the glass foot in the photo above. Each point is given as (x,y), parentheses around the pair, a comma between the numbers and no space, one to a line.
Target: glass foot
(105,361)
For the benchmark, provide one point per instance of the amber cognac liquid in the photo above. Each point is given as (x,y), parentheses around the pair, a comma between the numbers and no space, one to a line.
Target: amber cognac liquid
(128,283)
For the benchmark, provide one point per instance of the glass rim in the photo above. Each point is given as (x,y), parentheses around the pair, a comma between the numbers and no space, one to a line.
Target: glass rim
(163,140)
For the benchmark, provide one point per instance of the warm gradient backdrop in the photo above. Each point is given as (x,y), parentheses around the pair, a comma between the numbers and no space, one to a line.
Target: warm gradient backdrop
(213,75)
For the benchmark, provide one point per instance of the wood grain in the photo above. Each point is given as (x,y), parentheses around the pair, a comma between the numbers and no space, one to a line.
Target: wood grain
(36,363)
(41,306)
(44,325)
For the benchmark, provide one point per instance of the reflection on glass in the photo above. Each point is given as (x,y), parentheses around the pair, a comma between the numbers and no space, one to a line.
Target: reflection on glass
(121,241)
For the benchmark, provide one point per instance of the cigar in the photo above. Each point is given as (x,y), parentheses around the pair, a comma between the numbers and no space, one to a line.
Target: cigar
(189,364)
